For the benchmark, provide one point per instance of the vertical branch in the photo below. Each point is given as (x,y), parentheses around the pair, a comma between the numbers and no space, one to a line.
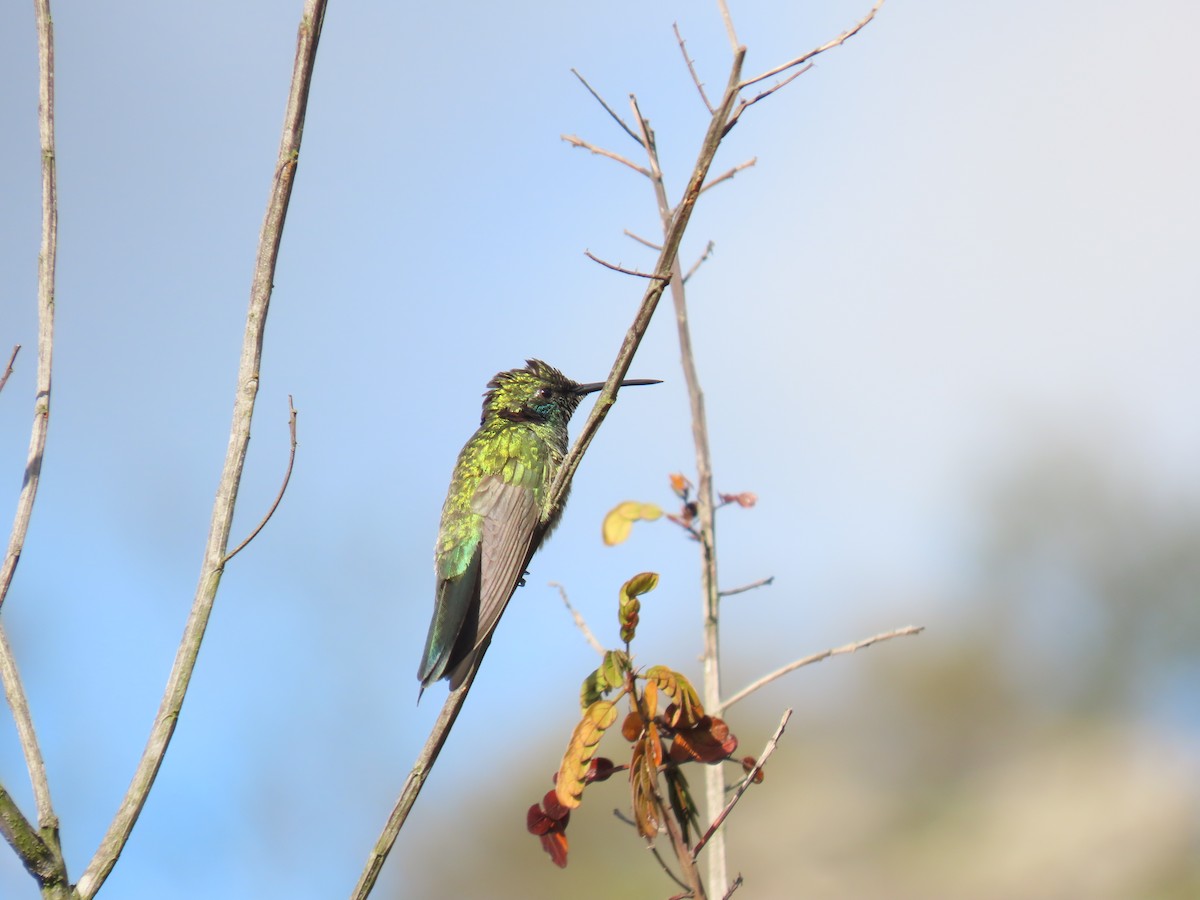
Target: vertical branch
(714,776)
(239,437)
(47,257)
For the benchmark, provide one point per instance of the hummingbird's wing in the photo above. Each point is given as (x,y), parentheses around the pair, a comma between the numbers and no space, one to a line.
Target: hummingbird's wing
(457,604)
(510,516)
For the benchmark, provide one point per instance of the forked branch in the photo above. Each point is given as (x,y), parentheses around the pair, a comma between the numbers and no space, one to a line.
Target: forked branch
(239,438)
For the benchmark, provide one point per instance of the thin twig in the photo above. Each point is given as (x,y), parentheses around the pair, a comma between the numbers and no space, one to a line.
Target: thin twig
(691,68)
(40,850)
(726,176)
(14,693)
(8,370)
(580,622)
(47,265)
(746,104)
(829,45)
(816,658)
(662,862)
(287,476)
(746,782)
(737,883)
(728,20)
(576,141)
(762,582)
(239,438)
(616,268)
(708,251)
(641,240)
(608,109)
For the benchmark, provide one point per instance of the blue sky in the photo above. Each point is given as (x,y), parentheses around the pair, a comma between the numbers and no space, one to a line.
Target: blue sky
(970,230)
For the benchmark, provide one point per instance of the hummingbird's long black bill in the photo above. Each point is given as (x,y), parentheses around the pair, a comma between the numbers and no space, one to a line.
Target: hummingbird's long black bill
(593,386)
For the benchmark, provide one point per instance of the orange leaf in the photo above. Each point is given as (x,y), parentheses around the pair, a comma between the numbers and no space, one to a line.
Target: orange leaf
(680,485)
(631,728)
(643,774)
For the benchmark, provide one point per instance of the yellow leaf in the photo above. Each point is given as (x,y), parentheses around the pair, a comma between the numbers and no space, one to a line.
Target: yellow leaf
(618,523)
(572,772)
(615,529)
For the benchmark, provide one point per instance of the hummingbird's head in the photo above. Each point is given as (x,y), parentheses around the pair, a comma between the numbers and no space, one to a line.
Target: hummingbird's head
(538,393)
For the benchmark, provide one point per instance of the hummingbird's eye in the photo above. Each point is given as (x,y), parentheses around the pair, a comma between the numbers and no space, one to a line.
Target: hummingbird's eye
(543,393)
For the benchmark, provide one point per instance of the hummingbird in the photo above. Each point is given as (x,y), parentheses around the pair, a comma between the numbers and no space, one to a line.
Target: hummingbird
(497,511)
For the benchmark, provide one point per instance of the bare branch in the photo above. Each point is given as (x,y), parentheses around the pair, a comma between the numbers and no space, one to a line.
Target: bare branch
(746,782)
(14,693)
(415,781)
(691,68)
(39,859)
(287,476)
(616,268)
(816,658)
(708,251)
(39,850)
(728,20)
(47,260)
(575,141)
(662,862)
(726,176)
(8,370)
(737,883)
(762,582)
(829,45)
(239,438)
(608,109)
(746,104)
(580,623)
(641,240)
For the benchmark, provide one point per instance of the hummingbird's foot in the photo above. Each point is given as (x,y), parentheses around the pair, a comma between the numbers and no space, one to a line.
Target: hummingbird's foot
(521,580)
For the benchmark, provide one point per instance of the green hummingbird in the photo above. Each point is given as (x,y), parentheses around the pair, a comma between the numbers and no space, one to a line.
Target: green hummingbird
(497,512)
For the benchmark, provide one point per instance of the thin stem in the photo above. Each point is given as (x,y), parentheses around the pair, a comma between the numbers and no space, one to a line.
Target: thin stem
(741,788)
(828,45)
(608,109)
(692,68)
(619,268)
(14,693)
(47,260)
(287,476)
(762,582)
(579,142)
(580,622)
(723,707)
(40,850)
(8,370)
(239,438)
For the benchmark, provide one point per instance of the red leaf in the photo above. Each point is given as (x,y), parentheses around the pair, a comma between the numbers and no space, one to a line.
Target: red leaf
(555,843)
(600,769)
(709,742)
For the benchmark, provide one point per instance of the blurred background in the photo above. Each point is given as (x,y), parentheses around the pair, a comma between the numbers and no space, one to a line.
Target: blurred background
(948,336)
